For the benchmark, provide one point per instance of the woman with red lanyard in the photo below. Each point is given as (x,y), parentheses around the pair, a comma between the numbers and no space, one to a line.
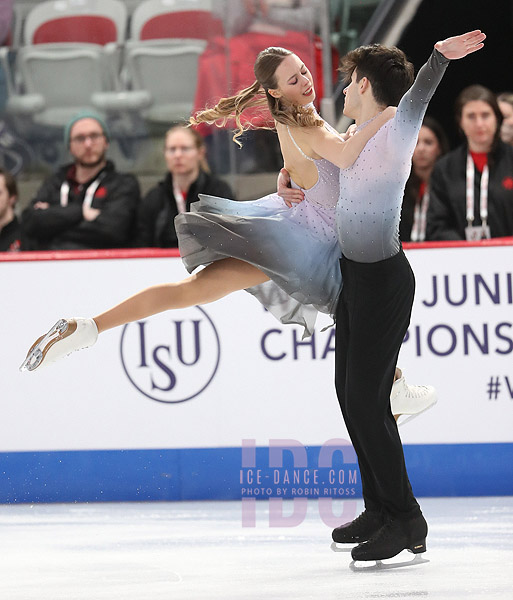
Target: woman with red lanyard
(471,188)
(431,144)
(188,175)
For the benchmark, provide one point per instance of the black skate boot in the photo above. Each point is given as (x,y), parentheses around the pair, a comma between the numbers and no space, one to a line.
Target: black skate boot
(392,538)
(359,530)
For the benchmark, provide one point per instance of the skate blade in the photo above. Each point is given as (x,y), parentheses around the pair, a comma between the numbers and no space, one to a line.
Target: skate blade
(335,547)
(379,565)
(410,417)
(38,350)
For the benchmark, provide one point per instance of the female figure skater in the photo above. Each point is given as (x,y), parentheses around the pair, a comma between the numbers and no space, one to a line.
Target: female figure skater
(287,257)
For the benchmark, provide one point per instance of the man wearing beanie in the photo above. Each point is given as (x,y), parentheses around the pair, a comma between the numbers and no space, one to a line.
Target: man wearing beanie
(86,204)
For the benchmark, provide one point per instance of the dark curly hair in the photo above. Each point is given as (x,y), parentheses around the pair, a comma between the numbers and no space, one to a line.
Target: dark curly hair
(386,67)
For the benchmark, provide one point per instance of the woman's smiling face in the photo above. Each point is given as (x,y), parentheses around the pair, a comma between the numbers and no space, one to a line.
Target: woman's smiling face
(294,81)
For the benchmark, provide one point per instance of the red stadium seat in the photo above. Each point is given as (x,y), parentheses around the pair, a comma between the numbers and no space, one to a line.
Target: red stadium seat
(167,38)
(89,29)
(70,61)
(168,19)
(78,21)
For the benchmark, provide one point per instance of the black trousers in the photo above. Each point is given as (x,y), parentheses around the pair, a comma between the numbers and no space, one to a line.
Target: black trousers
(372,317)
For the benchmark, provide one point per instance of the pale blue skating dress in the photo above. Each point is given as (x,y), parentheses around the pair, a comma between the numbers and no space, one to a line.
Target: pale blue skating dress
(297,248)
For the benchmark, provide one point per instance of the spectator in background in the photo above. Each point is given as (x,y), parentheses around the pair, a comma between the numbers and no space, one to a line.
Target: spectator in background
(471,188)
(10,228)
(86,204)
(188,175)
(431,144)
(505,101)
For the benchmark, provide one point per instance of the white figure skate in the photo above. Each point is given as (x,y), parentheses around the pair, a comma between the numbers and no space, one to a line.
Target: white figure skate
(66,336)
(411,400)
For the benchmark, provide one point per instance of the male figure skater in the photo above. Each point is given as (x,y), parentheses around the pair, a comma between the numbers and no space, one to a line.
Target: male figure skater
(374,310)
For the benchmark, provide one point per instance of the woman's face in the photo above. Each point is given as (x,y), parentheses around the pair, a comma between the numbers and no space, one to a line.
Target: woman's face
(507,123)
(294,82)
(427,149)
(182,155)
(479,124)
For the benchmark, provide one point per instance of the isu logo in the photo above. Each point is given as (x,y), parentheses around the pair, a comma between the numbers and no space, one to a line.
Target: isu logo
(171,357)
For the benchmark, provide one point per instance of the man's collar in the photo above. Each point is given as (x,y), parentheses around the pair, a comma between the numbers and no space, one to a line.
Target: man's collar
(72,170)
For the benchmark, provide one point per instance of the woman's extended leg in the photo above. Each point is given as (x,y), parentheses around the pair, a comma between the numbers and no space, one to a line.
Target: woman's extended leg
(211,283)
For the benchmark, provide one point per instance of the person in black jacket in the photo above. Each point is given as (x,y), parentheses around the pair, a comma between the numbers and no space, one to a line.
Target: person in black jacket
(87,204)
(471,188)
(431,144)
(188,175)
(10,227)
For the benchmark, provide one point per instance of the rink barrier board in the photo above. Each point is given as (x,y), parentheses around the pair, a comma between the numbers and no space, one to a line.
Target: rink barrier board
(479,467)
(437,470)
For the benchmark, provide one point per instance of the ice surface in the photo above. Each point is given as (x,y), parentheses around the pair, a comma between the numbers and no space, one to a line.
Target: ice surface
(193,550)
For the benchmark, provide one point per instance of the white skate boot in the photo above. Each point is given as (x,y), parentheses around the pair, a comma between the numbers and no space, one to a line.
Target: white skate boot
(66,336)
(410,400)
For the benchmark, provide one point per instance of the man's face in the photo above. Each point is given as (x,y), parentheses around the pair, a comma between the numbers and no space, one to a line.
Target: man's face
(352,101)
(6,201)
(479,124)
(87,143)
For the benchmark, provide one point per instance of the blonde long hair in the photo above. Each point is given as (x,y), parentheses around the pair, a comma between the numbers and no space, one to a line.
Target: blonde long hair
(257,96)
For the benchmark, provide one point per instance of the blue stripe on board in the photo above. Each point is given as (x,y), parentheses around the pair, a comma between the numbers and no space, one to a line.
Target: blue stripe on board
(217,473)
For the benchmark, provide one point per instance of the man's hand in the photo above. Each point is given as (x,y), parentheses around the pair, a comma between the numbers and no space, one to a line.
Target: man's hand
(289,194)
(461,45)
(351,130)
(41,205)
(90,213)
